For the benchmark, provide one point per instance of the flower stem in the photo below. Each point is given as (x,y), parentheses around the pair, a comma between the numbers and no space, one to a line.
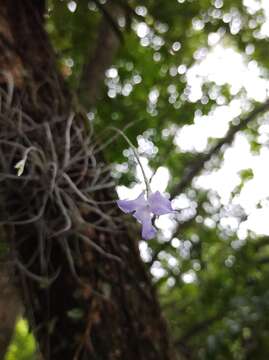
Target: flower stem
(136,156)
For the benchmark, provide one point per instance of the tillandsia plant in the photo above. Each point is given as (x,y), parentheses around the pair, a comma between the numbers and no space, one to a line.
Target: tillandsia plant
(145,206)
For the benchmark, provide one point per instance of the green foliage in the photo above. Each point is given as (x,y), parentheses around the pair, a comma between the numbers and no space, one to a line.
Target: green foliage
(23,345)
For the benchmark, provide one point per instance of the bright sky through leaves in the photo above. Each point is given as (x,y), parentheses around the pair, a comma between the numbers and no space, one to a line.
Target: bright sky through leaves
(222,65)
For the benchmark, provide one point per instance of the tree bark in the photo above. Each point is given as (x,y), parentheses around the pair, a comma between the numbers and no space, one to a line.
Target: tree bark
(90,299)
(10,306)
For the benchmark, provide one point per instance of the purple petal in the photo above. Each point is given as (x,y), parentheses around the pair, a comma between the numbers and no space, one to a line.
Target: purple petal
(148,231)
(159,204)
(143,215)
(128,206)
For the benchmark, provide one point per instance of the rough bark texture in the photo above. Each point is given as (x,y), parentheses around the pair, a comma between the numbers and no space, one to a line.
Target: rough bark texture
(99,306)
(10,306)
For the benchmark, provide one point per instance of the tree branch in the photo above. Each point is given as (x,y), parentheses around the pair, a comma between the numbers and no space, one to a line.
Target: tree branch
(93,72)
(198,165)
(264,241)
(109,18)
(198,327)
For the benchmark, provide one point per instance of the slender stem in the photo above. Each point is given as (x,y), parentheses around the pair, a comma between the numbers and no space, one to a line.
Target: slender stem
(136,156)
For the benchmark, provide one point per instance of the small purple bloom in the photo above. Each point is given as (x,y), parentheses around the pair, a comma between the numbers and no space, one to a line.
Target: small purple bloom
(143,210)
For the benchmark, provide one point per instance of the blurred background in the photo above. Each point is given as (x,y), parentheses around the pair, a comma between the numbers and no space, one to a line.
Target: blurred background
(188,80)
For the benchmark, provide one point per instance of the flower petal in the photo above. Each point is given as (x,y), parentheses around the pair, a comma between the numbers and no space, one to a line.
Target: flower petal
(148,230)
(159,204)
(143,214)
(128,206)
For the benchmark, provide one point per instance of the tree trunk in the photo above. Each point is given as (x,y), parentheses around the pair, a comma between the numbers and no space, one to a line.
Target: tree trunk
(10,306)
(85,288)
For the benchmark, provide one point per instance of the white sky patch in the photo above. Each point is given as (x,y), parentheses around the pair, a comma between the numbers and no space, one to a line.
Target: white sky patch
(258,221)
(160,179)
(129,193)
(253,5)
(112,73)
(189,277)
(223,181)
(157,270)
(153,96)
(142,29)
(254,192)
(145,251)
(72,6)
(265,26)
(227,66)
(166,224)
(256,189)
(215,125)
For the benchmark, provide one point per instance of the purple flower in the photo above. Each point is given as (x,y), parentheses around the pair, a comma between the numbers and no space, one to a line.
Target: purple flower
(143,210)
